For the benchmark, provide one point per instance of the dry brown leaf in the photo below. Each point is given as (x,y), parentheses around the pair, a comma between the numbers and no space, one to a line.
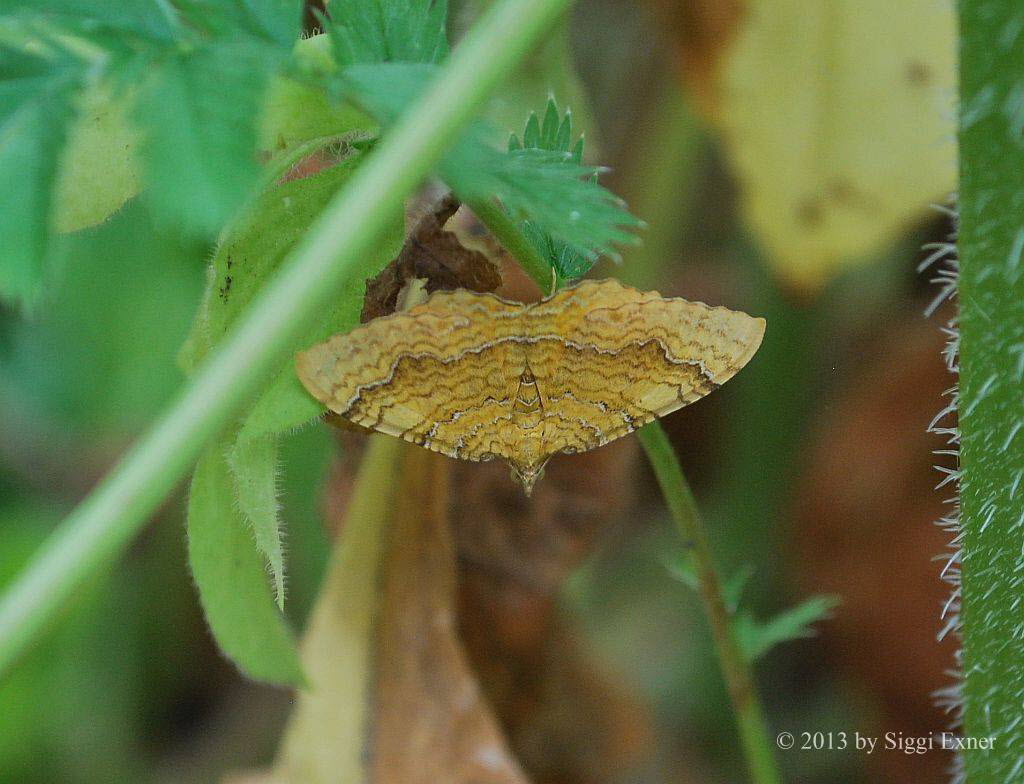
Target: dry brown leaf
(864,530)
(431,721)
(326,736)
(434,254)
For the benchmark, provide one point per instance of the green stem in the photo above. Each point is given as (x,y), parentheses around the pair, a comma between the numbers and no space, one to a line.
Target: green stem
(991,403)
(515,242)
(753,729)
(349,227)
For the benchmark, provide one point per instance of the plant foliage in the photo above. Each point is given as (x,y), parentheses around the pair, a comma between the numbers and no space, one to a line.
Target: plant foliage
(193,96)
(755,636)
(204,77)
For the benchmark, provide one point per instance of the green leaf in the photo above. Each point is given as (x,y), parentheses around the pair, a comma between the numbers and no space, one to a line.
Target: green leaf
(35,107)
(253,463)
(756,638)
(277,21)
(385,89)
(377,31)
(98,166)
(568,217)
(579,219)
(296,107)
(549,69)
(199,111)
(294,113)
(243,262)
(232,581)
(572,218)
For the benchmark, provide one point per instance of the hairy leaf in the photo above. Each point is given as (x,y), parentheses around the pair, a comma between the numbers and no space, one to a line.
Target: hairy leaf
(294,113)
(249,254)
(253,463)
(990,410)
(232,581)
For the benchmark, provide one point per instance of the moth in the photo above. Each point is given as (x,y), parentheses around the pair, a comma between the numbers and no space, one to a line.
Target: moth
(476,377)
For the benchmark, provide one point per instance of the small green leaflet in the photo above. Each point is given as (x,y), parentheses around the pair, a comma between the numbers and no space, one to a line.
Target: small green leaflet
(557,235)
(755,637)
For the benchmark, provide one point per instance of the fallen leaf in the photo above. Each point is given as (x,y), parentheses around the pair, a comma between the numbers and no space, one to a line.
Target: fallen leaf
(434,254)
(432,723)
(864,529)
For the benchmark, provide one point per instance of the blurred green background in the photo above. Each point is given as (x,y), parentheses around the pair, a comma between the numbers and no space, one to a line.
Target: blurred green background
(813,467)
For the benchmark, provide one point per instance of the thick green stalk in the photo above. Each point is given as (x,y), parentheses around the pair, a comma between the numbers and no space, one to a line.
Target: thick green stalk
(753,729)
(991,413)
(350,225)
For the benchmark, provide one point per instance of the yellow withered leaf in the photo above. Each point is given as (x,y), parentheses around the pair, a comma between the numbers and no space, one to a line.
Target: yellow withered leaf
(839,121)
(476,377)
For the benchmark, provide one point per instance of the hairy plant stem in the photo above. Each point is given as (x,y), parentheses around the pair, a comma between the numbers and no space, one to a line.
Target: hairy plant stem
(753,728)
(356,218)
(991,406)
(750,719)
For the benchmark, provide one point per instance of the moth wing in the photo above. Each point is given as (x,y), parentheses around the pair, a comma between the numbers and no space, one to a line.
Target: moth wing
(435,375)
(610,358)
